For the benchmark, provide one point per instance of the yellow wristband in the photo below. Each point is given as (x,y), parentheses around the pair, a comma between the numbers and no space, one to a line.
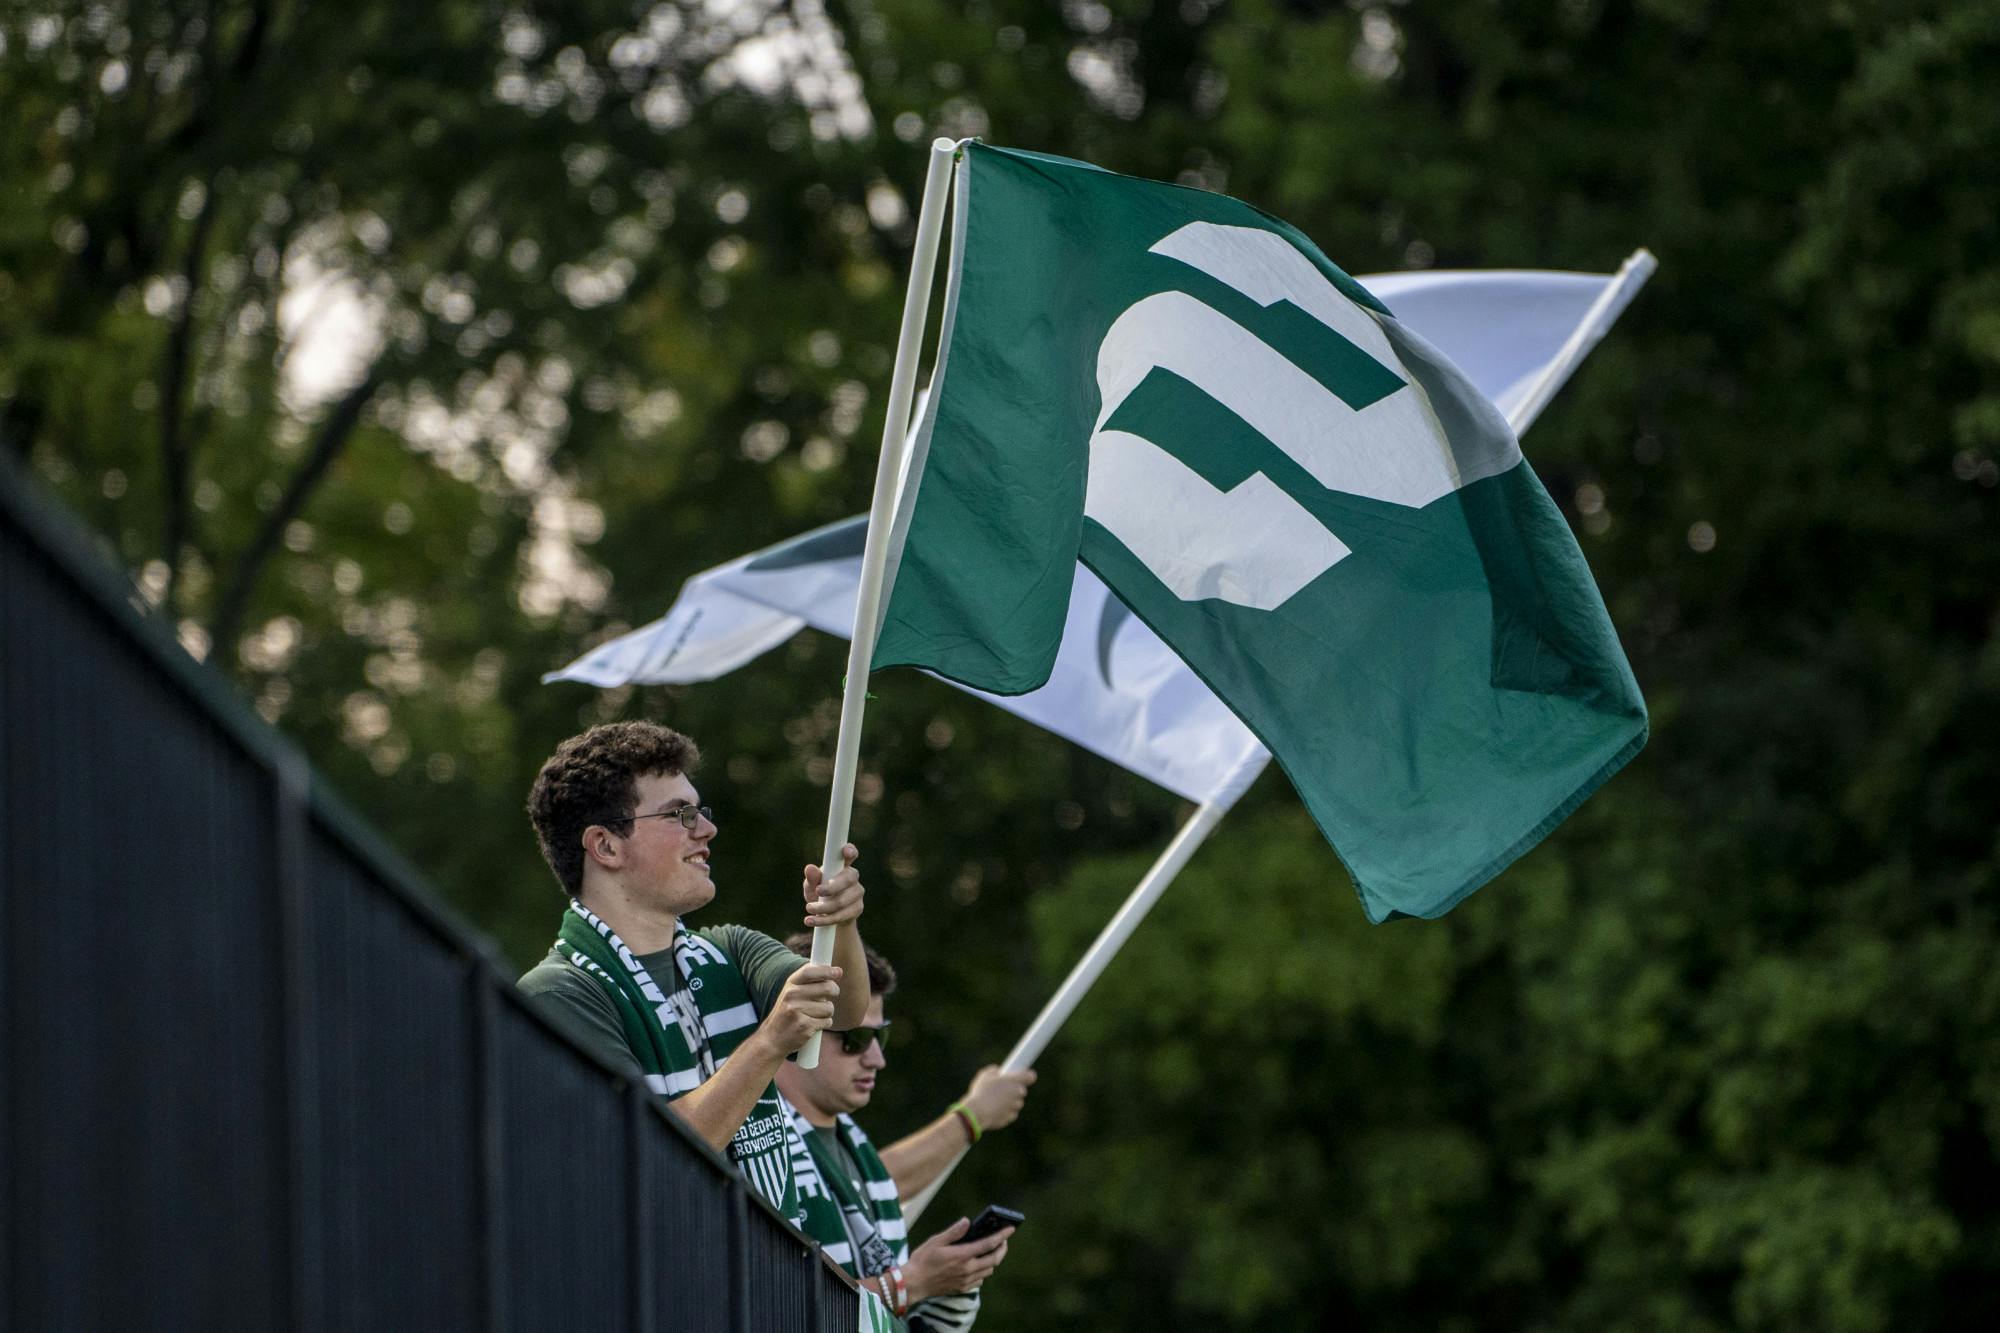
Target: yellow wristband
(970,1121)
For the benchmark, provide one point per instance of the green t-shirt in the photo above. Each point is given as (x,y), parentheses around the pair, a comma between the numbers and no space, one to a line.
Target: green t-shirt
(849,1182)
(581,1006)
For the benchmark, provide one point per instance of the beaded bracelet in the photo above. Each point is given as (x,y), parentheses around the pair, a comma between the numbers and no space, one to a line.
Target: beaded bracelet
(894,1297)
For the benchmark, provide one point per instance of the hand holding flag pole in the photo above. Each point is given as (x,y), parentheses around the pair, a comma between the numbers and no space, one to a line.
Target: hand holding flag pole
(875,554)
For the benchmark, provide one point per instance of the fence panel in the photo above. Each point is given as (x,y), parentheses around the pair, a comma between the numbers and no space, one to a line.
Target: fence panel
(837,1300)
(688,1201)
(782,1277)
(563,1180)
(389,1017)
(145,1093)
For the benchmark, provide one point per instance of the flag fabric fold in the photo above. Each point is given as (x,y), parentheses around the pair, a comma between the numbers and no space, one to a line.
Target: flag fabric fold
(1115,688)
(1295,490)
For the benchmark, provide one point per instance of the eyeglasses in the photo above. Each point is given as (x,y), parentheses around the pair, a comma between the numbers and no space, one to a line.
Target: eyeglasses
(855,1040)
(689,815)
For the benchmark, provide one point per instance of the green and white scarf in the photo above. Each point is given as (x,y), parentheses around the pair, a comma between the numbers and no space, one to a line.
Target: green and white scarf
(680,1038)
(864,1231)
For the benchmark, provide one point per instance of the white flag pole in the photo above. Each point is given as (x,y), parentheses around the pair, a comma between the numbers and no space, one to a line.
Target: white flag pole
(1590,331)
(875,554)
(1109,941)
(1119,929)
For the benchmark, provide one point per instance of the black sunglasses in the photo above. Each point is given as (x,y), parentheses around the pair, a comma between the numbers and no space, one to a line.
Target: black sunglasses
(855,1040)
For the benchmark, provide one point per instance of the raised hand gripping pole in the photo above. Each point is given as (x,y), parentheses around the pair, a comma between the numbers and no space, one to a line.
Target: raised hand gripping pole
(875,554)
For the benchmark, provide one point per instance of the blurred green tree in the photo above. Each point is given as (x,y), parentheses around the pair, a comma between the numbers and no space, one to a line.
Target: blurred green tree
(399,360)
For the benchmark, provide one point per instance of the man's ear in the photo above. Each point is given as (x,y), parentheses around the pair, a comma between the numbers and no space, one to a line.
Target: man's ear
(600,846)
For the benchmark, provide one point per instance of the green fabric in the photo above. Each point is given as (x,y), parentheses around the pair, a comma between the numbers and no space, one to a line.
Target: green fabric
(838,1164)
(1330,525)
(859,1226)
(875,1316)
(679,1036)
(584,1009)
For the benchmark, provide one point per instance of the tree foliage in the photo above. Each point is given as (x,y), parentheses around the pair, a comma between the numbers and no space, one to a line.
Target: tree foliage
(623,283)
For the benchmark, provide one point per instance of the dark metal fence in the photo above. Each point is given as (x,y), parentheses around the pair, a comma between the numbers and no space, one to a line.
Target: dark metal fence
(252,1077)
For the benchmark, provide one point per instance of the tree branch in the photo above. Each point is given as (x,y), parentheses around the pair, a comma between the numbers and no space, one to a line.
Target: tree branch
(176,450)
(253,41)
(219,99)
(333,435)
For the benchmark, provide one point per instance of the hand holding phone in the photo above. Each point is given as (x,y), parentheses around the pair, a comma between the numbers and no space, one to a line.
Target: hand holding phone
(991,1219)
(960,1257)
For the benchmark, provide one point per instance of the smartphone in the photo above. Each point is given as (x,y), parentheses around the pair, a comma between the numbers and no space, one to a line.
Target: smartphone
(992,1219)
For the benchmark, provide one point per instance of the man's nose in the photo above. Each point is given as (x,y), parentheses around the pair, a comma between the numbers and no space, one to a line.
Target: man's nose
(873,1057)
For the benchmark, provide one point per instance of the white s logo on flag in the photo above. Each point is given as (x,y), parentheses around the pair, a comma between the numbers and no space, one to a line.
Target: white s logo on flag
(1254,545)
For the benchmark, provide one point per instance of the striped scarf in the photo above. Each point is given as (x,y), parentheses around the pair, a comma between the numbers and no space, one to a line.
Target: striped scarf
(863,1231)
(680,1038)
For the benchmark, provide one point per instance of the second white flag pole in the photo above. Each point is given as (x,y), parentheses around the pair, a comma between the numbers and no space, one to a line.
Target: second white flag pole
(875,555)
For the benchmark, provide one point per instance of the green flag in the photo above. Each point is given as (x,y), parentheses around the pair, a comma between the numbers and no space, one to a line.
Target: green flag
(1331,526)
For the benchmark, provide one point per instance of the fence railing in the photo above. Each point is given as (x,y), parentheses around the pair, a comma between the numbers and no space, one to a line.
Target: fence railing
(253,1076)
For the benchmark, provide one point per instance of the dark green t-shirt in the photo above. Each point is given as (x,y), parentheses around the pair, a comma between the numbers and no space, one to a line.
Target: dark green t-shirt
(850,1183)
(581,1007)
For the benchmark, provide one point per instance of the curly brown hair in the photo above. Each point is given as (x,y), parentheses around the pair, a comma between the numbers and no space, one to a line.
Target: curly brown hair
(881,976)
(594,779)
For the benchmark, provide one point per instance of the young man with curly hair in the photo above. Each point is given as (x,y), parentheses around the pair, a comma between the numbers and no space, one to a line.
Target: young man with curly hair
(705,1017)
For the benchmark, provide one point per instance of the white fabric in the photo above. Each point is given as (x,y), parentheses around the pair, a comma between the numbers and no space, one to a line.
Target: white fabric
(1152,715)
(1502,327)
